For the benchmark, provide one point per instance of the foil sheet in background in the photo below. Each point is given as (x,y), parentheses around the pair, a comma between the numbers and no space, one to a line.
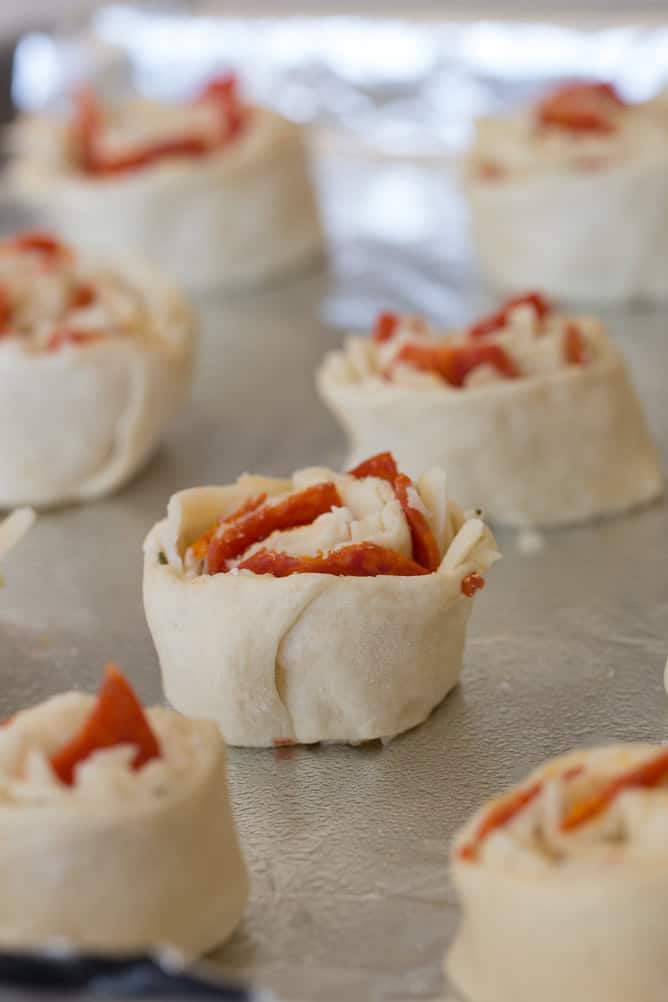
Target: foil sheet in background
(390,104)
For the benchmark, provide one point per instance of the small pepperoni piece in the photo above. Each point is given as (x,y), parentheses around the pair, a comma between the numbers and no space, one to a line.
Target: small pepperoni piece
(39,242)
(498,817)
(116,719)
(66,335)
(385,327)
(383,465)
(425,548)
(81,295)
(574,346)
(472,583)
(357,560)
(581,107)
(5,311)
(494,322)
(224,91)
(503,812)
(453,363)
(648,774)
(201,545)
(151,153)
(88,121)
(302,508)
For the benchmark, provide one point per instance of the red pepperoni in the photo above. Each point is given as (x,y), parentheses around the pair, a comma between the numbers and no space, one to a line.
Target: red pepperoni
(497,321)
(385,327)
(453,363)
(425,548)
(356,560)
(581,107)
(648,774)
(201,545)
(302,508)
(472,583)
(89,122)
(574,345)
(505,810)
(116,719)
(66,335)
(82,295)
(382,465)
(39,242)
(224,91)
(5,311)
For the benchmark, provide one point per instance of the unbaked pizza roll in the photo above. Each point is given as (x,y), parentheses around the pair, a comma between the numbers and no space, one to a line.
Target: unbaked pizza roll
(116,832)
(571,196)
(563,884)
(214,191)
(95,359)
(326,607)
(530,411)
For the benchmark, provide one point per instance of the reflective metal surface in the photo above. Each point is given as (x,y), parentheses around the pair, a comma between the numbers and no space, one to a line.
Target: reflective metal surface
(347,847)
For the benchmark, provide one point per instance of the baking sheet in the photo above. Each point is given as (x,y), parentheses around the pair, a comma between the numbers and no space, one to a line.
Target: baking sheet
(348,847)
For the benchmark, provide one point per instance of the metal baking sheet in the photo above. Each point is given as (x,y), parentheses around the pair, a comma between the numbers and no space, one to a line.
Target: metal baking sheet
(348,847)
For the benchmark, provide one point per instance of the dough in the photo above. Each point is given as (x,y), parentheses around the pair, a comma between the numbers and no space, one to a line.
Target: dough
(311,656)
(580,214)
(575,915)
(235,217)
(14,527)
(79,418)
(562,444)
(122,860)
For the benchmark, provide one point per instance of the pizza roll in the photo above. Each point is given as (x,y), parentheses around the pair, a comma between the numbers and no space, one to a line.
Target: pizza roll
(116,829)
(571,196)
(531,411)
(214,191)
(326,607)
(562,883)
(95,359)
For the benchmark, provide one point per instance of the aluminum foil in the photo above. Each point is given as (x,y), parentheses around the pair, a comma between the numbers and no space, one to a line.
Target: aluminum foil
(348,847)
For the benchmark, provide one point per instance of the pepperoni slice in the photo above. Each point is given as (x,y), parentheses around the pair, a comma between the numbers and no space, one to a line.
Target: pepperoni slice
(383,465)
(472,583)
(574,345)
(385,327)
(88,121)
(151,153)
(648,774)
(498,817)
(201,545)
(5,311)
(224,91)
(39,242)
(116,719)
(505,810)
(301,508)
(453,363)
(356,560)
(581,107)
(82,295)
(66,335)
(425,548)
(494,322)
